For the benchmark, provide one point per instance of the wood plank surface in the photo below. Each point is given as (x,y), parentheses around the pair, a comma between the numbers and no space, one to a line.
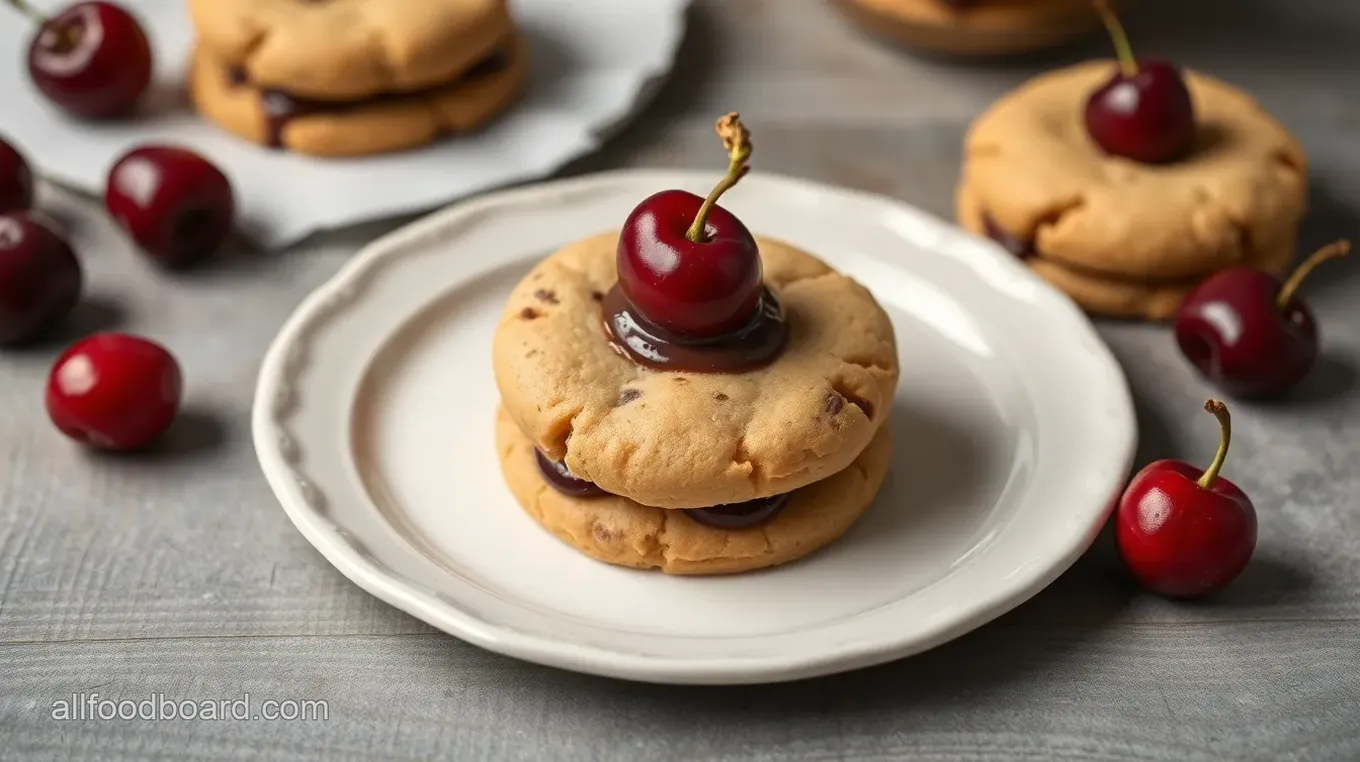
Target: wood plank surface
(180,575)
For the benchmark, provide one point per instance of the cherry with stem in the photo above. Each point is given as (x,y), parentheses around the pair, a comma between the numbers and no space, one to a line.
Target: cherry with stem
(736,141)
(1250,334)
(689,266)
(92,58)
(1144,111)
(1182,532)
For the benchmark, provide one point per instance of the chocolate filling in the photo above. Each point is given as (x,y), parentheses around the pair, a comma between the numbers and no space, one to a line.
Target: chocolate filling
(756,345)
(733,516)
(561,478)
(281,107)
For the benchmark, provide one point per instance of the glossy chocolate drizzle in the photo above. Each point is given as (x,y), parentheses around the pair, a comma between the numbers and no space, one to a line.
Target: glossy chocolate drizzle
(754,346)
(563,480)
(1019,247)
(281,107)
(733,516)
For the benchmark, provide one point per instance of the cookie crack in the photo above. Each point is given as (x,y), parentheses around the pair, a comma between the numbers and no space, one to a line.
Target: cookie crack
(742,459)
(559,433)
(257,39)
(839,386)
(865,363)
(380,56)
(662,538)
(1052,218)
(1288,159)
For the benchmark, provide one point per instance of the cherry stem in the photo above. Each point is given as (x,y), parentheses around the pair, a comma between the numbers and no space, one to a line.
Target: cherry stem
(1220,412)
(1335,250)
(1122,49)
(33,13)
(736,139)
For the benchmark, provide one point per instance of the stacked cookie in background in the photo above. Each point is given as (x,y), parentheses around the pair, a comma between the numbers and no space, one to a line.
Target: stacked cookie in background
(1126,183)
(352,78)
(757,436)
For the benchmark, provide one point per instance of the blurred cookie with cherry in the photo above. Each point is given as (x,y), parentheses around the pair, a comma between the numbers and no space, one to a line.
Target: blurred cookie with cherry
(1125,183)
(353,78)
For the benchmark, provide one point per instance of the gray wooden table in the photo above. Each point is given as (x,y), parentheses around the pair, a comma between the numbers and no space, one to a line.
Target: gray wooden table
(179,576)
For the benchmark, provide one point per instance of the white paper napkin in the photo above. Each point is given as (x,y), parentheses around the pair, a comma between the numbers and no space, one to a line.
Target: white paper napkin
(595,62)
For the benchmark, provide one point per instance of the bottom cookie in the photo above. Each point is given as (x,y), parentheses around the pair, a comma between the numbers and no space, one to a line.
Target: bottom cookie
(381,125)
(1153,299)
(619,531)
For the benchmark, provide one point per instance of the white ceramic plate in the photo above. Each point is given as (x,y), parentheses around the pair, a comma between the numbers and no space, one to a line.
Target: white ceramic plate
(1013,423)
(595,63)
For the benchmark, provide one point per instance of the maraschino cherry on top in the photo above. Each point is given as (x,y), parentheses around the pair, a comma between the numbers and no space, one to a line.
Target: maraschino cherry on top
(1144,112)
(92,59)
(1184,533)
(689,266)
(1250,334)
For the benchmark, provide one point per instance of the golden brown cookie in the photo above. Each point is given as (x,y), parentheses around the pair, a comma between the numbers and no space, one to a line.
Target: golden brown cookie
(619,531)
(692,440)
(1033,169)
(380,125)
(349,49)
(981,28)
(1148,298)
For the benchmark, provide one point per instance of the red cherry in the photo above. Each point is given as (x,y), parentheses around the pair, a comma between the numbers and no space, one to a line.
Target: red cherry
(40,278)
(1183,534)
(688,265)
(113,391)
(16,180)
(92,59)
(1247,332)
(175,204)
(1144,112)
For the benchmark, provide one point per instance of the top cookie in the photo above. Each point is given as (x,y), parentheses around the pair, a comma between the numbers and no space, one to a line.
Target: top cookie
(693,440)
(1032,168)
(350,49)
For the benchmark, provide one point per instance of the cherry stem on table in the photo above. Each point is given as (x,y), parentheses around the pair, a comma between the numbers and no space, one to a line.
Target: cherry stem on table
(736,140)
(1122,49)
(1330,251)
(28,10)
(1220,412)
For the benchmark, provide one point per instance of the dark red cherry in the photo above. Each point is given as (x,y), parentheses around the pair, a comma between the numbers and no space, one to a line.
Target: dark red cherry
(40,278)
(1247,332)
(176,205)
(1144,112)
(92,59)
(113,391)
(688,265)
(1184,533)
(16,180)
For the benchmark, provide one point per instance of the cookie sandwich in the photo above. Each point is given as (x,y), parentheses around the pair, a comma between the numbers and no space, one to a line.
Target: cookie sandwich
(681,394)
(352,77)
(984,28)
(1125,183)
